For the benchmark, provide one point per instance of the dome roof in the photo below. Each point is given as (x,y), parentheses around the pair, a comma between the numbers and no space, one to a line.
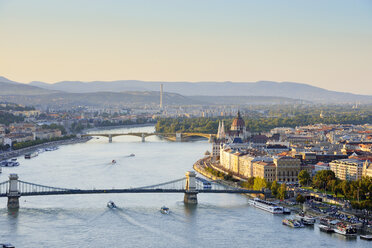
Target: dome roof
(238,123)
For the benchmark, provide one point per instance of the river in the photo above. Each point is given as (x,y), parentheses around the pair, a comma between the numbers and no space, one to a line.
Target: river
(221,220)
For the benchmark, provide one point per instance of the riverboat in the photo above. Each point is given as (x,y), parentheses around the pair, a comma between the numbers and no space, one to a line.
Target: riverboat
(345,229)
(111,205)
(286,211)
(9,163)
(292,223)
(131,155)
(31,155)
(266,205)
(49,149)
(164,210)
(306,219)
(326,229)
(366,237)
(113,161)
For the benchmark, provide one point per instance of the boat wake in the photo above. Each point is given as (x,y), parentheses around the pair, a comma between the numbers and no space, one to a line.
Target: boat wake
(134,222)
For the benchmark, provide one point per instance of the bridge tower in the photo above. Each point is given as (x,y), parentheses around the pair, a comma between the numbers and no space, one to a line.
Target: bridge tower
(143,137)
(110,138)
(191,192)
(179,137)
(13,194)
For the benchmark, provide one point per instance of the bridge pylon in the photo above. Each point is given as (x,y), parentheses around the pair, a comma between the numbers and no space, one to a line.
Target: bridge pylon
(178,137)
(191,192)
(13,194)
(143,137)
(110,138)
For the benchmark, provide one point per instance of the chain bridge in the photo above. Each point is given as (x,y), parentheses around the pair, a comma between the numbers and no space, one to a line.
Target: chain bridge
(190,186)
(170,136)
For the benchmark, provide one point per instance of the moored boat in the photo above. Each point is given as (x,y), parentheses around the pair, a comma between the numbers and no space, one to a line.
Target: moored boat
(345,229)
(292,223)
(366,237)
(306,219)
(325,228)
(164,210)
(266,205)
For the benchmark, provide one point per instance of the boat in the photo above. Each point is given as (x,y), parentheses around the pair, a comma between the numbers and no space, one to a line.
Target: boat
(286,211)
(111,204)
(366,237)
(325,228)
(13,159)
(345,229)
(113,161)
(31,155)
(9,163)
(266,205)
(7,245)
(131,155)
(306,219)
(292,223)
(164,210)
(49,149)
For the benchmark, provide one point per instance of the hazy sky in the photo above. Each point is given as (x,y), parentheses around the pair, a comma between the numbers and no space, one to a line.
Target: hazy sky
(319,42)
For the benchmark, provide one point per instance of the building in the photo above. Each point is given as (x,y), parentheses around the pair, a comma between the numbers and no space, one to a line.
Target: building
(265,170)
(347,169)
(367,168)
(238,129)
(287,169)
(47,134)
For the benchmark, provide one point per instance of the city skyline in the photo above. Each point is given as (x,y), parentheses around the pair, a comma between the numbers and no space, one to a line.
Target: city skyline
(324,44)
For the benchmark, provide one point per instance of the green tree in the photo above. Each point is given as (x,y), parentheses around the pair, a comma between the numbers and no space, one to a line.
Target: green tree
(304,177)
(259,183)
(282,191)
(274,188)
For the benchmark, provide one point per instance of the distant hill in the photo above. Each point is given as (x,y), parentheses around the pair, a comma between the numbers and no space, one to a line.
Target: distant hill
(261,88)
(100,99)
(13,88)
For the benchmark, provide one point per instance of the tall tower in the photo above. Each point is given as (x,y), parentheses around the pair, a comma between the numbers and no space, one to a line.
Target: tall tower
(161,96)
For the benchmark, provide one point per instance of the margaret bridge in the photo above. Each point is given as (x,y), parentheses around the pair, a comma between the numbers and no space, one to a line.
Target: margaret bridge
(170,136)
(190,186)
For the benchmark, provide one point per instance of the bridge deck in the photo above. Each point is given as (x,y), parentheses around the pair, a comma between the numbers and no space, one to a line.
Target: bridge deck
(119,191)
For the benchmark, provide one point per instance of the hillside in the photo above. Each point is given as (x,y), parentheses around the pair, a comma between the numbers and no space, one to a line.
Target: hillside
(261,88)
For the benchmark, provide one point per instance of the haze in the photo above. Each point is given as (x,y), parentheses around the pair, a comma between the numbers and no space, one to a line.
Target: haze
(322,43)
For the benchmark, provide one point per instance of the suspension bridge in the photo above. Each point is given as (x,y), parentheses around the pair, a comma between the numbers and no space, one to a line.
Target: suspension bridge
(190,186)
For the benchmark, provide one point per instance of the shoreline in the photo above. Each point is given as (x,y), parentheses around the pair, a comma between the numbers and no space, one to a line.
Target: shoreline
(20,152)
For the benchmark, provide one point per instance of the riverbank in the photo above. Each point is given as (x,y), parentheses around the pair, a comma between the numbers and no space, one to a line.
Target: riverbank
(20,152)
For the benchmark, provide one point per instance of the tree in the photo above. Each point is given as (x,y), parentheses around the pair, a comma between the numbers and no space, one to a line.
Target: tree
(304,177)
(274,188)
(259,183)
(322,178)
(282,191)
(300,198)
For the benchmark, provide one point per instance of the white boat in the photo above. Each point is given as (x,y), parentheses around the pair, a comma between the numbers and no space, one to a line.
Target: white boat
(266,205)
(164,210)
(366,237)
(31,155)
(345,229)
(111,204)
(325,228)
(306,219)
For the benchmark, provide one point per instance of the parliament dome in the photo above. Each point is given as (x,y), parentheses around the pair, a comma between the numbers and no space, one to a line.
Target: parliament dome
(238,123)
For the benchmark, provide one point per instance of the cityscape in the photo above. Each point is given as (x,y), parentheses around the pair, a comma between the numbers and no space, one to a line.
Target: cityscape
(186,124)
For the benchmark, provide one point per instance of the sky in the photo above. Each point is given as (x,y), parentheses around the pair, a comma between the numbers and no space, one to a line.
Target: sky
(325,43)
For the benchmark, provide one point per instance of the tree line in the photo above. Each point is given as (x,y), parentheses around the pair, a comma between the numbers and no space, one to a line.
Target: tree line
(256,124)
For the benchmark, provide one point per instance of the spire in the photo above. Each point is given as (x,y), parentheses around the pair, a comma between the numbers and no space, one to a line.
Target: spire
(223,135)
(219,130)
(238,114)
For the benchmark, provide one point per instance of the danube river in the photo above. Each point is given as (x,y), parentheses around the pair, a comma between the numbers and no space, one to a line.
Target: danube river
(219,220)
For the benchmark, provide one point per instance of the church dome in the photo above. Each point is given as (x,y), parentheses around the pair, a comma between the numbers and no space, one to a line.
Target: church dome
(238,123)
